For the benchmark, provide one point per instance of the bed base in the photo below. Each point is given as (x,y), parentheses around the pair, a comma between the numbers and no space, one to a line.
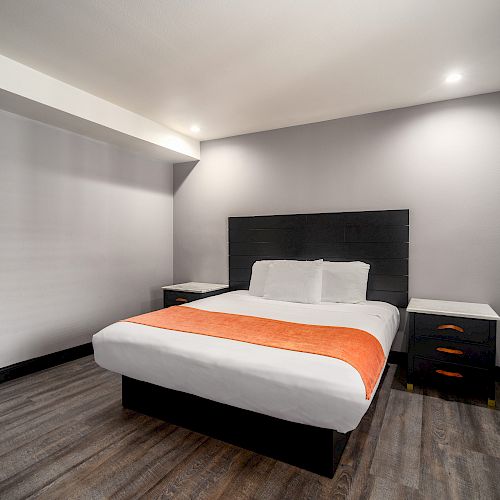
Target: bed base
(305,446)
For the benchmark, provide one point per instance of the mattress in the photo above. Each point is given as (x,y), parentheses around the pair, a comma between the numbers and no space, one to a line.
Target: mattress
(295,386)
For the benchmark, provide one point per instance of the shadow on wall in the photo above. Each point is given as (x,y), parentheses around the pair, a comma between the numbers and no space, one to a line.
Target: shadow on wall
(181,172)
(62,152)
(156,300)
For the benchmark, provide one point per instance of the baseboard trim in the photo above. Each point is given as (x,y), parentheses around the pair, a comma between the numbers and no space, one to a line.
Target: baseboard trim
(41,363)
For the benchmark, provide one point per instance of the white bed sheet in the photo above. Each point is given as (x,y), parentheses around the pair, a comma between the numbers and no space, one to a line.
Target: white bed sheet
(295,386)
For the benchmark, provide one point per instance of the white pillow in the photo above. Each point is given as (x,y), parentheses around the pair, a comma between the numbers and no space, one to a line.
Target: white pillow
(294,281)
(260,270)
(345,282)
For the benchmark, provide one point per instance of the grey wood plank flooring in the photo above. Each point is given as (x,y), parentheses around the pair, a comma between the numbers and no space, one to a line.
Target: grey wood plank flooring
(397,455)
(64,434)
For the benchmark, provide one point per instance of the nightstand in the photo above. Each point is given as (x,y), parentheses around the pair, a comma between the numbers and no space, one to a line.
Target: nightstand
(453,345)
(175,295)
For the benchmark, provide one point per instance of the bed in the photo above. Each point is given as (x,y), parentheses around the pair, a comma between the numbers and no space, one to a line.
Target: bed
(293,406)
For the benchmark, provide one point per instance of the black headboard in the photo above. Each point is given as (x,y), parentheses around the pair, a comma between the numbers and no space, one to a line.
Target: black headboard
(379,238)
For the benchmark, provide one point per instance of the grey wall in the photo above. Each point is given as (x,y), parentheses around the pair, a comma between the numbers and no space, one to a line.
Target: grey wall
(442,161)
(85,237)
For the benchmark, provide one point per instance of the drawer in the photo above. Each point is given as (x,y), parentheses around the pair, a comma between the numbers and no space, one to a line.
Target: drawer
(179,298)
(450,327)
(450,375)
(447,350)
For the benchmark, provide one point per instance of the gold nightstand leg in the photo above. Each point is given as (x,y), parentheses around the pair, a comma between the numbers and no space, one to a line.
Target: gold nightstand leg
(409,387)
(491,403)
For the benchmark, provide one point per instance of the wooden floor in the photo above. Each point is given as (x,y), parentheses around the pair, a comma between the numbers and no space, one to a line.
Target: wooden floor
(64,434)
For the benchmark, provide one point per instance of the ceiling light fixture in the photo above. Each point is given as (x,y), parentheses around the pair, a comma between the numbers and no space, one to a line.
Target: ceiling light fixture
(453,78)
(195,128)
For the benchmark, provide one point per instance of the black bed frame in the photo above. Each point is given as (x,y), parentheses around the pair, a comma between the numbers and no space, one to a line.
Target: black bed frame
(311,448)
(379,238)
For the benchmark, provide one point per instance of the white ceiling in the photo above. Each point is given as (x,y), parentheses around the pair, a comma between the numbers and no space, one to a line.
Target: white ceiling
(237,66)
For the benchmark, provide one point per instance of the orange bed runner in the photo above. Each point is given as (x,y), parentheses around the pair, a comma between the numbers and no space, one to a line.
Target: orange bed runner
(358,348)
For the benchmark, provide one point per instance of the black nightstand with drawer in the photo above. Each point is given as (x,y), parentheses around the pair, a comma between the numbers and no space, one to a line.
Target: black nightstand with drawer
(176,295)
(452,345)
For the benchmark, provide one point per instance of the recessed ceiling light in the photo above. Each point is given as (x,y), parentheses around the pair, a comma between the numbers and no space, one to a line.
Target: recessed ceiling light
(195,128)
(453,78)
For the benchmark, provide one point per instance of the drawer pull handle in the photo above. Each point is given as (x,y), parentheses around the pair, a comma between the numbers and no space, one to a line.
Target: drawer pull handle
(449,374)
(451,327)
(180,299)
(449,351)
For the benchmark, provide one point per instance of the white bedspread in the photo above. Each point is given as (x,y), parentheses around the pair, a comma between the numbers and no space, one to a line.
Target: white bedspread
(300,387)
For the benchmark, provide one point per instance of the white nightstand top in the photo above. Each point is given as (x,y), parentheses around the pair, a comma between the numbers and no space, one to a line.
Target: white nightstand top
(446,308)
(195,287)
